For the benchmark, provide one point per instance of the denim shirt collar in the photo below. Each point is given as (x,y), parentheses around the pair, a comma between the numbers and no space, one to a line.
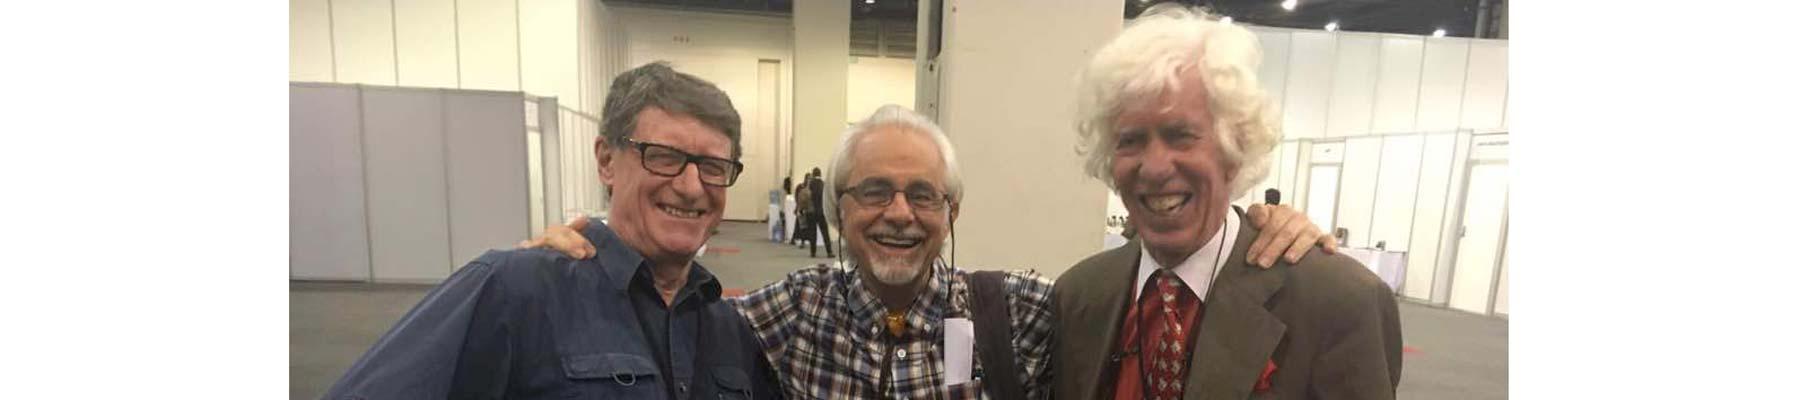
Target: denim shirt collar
(621,263)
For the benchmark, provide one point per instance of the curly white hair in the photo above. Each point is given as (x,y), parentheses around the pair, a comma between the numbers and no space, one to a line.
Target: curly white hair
(1144,61)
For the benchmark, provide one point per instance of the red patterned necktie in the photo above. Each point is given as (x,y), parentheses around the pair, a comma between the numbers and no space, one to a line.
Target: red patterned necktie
(1167,331)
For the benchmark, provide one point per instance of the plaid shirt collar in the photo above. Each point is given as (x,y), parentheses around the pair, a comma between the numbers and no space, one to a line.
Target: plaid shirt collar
(932,304)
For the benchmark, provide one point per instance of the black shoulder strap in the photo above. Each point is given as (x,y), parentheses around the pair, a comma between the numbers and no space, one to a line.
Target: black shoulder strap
(993,335)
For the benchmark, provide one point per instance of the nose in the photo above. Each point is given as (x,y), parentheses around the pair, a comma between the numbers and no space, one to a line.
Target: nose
(688,182)
(899,211)
(1157,163)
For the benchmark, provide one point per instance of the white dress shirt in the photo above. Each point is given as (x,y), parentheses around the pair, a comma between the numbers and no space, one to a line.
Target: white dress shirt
(1198,271)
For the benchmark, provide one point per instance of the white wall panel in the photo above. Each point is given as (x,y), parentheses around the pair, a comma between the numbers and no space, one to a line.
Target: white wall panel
(1396,191)
(1441,83)
(1353,84)
(878,81)
(327,228)
(488,40)
(487,190)
(425,39)
(1274,70)
(1307,101)
(1484,91)
(309,40)
(1286,171)
(1432,199)
(365,41)
(404,148)
(1397,87)
(1003,71)
(547,47)
(1356,198)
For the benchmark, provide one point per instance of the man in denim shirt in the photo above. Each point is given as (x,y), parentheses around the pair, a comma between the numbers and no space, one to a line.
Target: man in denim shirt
(635,319)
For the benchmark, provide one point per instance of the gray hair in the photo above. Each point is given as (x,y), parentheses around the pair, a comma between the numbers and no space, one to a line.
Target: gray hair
(1146,60)
(657,85)
(890,115)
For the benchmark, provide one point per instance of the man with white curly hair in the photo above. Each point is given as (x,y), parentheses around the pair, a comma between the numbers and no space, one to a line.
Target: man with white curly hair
(1172,117)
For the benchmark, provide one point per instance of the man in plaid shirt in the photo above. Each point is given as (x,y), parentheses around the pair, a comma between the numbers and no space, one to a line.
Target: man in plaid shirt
(873,325)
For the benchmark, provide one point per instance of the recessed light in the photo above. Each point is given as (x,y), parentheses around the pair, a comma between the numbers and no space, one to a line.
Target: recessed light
(1438,33)
(1289,4)
(1331,26)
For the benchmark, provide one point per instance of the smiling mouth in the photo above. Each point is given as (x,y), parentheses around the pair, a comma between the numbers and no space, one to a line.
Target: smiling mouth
(679,212)
(1164,204)
(895,242)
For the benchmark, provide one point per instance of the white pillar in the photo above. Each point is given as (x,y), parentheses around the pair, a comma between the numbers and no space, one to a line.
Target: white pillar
(821,69)
(1006,95)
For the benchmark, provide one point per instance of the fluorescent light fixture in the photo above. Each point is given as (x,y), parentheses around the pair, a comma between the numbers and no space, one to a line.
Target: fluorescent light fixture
(1331,26)
(1225,20)
(1289,4)
(1438,33)
(868,1)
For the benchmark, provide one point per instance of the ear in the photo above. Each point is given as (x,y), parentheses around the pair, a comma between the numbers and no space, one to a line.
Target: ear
(955,208)
(603,156)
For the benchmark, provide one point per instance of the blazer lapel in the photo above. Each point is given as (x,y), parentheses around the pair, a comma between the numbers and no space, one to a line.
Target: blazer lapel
(1237,335)
(1106,311)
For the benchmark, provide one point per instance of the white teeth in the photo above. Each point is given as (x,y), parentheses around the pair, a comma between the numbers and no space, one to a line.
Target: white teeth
(1165,203)
(682,213)
(896,242)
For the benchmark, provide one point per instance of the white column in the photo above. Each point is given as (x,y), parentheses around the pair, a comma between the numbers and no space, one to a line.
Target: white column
(821,65)
(1006,94)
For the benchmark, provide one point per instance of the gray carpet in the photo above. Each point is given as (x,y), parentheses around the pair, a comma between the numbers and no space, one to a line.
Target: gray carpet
(1451,354)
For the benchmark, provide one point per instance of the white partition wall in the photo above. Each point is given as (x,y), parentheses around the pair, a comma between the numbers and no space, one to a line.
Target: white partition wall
(1306,102)
(1431,199)
(422,58)
(486,193)
(402,184)
(403,143)
(309,41)
(1397,86)
(1353,82)
(1407,190)
(325,185)
(1356,194)
(1441,78)
(371,22)
(1396,185)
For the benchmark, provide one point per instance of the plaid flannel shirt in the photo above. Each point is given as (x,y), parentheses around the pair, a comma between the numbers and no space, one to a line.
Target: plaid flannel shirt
(826,336)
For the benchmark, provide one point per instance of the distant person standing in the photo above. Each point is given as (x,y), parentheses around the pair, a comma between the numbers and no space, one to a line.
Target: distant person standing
(787,209)
(804,232)
(818,209)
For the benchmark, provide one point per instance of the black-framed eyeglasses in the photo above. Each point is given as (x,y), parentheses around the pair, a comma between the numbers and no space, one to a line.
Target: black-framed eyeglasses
(879,194)
(668,161)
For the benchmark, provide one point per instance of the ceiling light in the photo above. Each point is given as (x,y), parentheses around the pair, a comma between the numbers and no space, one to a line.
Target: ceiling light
(1289,4)
(868,1)
(1225,20)
(1438,33)
(1331,26)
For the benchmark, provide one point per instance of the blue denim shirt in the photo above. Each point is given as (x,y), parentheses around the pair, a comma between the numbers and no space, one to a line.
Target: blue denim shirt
(534,324)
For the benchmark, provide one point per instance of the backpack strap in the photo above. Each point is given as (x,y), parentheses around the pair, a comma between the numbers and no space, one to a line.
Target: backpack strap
(993,334)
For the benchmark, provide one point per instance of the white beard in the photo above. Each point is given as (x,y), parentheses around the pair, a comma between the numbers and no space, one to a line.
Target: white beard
(895,272)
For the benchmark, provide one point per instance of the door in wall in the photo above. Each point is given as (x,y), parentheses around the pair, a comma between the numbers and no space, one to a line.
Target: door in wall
(1482,235)
(1321,195)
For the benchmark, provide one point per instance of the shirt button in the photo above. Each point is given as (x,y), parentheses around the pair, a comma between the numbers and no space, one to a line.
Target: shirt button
(682,387)
(902,354)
